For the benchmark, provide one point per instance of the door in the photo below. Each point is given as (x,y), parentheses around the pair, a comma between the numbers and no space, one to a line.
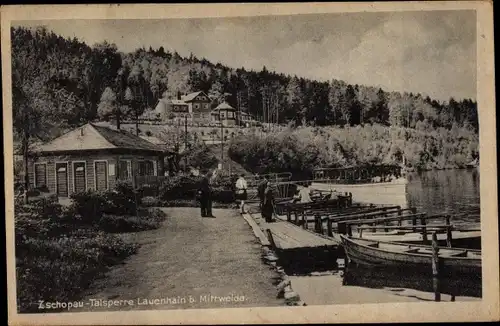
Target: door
(101,175)
(79,176)
(62,179)
(40,175)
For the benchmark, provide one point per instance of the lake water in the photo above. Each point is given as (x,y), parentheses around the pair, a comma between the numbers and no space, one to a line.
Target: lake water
(455,191)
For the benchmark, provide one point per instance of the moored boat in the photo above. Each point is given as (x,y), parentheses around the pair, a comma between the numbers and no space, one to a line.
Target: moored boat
(374,184)
(405,257)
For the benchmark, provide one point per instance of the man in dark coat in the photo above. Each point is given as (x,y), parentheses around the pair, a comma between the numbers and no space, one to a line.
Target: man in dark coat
(261,189)
(205,197)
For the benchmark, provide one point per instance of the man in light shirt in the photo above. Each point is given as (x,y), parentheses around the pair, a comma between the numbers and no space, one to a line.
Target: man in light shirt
(241,192)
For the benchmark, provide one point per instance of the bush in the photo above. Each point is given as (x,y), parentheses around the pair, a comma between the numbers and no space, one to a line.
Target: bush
(179,187)
(89,205)
(150,201)
(56,269)
(56,256)
(147,220)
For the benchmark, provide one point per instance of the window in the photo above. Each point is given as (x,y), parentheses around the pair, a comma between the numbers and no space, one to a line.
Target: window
(146,168)
(223,114)
(230,114)
(196,105)
(125,170)
(206,106)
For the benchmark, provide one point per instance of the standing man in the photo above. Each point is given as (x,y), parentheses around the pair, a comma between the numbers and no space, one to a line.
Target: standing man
(205,197)
(268,205)
(260,191)
(241,192)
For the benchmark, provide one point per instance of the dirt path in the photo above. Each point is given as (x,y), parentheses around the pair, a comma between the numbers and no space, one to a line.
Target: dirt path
(209,259)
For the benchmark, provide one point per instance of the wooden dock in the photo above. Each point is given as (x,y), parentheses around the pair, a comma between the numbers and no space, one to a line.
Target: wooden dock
(300,251)
(289,236)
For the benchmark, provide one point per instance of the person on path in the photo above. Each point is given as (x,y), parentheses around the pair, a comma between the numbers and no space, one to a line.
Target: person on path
(268,205)
(205,197)
(261,189)
(241,192)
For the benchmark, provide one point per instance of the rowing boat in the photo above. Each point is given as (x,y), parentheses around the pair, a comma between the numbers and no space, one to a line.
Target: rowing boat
(405,257)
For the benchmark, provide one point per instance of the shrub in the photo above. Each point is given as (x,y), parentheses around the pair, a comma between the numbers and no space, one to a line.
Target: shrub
(150,201)
(89,205)
(56,269)
(179,187)
(147,220)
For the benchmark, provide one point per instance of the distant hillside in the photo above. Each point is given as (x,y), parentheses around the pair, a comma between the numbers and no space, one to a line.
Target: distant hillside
(69,83)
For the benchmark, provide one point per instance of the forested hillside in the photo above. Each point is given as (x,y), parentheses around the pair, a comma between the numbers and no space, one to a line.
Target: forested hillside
(59,83)
(68,78)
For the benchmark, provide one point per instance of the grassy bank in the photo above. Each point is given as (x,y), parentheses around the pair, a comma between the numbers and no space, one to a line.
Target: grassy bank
(302,149)
(61,250)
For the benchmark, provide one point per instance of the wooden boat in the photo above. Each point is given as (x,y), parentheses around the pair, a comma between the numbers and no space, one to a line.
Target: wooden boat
(406,257)
(470,239)
(373,184)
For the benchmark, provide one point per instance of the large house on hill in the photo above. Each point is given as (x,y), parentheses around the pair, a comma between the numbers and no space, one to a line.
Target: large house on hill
(93,157)
(194,105)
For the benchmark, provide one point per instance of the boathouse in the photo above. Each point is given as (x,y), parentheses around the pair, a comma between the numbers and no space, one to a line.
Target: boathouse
(93,157)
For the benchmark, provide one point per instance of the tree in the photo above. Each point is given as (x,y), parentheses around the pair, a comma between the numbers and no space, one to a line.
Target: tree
(109,107)
(135,94)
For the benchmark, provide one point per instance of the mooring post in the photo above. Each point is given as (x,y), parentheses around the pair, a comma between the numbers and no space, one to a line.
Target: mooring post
(341,228)
(424,230)
(296,217)
(318,224)
(435,267)
(329,227)
(448,231)
(288,214)
(271,239)
(400,221)
(349,230)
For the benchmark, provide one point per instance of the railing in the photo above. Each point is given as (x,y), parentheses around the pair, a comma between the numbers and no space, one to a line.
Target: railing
(358,175)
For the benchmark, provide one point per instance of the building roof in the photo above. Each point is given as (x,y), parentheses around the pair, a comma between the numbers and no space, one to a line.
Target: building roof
(95,137)
(154,140)
(189,97)
(178,102)
(223,106)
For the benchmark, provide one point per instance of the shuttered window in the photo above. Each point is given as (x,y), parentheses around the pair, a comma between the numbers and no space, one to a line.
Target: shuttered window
(125,170)
(146,168)
(40,175)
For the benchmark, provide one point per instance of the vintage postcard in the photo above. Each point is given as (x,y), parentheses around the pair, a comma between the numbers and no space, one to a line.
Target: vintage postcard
(250,163)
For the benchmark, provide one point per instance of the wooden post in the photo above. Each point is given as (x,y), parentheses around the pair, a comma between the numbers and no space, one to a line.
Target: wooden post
(271,239)
(424,230)
(296,217)
(349,230)
(400,222)
(448,231)
(435,268)
(318,224)
(288,214)
(329,227)
(342,228)
(360,233)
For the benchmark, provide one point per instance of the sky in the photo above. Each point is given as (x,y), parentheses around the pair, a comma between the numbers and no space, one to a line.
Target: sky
(427,52)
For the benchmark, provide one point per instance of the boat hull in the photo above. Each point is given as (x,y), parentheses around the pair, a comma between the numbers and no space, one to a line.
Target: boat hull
(460,239)
(383,193)
(374,257)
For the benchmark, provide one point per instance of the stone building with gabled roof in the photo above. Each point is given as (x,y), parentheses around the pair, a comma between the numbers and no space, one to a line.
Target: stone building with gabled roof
(93,157)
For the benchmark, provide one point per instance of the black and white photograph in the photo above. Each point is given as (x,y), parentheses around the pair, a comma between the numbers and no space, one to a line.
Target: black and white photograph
(287,161)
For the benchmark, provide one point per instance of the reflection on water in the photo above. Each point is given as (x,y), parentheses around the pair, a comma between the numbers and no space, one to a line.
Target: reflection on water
(379,279)
(455,191)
